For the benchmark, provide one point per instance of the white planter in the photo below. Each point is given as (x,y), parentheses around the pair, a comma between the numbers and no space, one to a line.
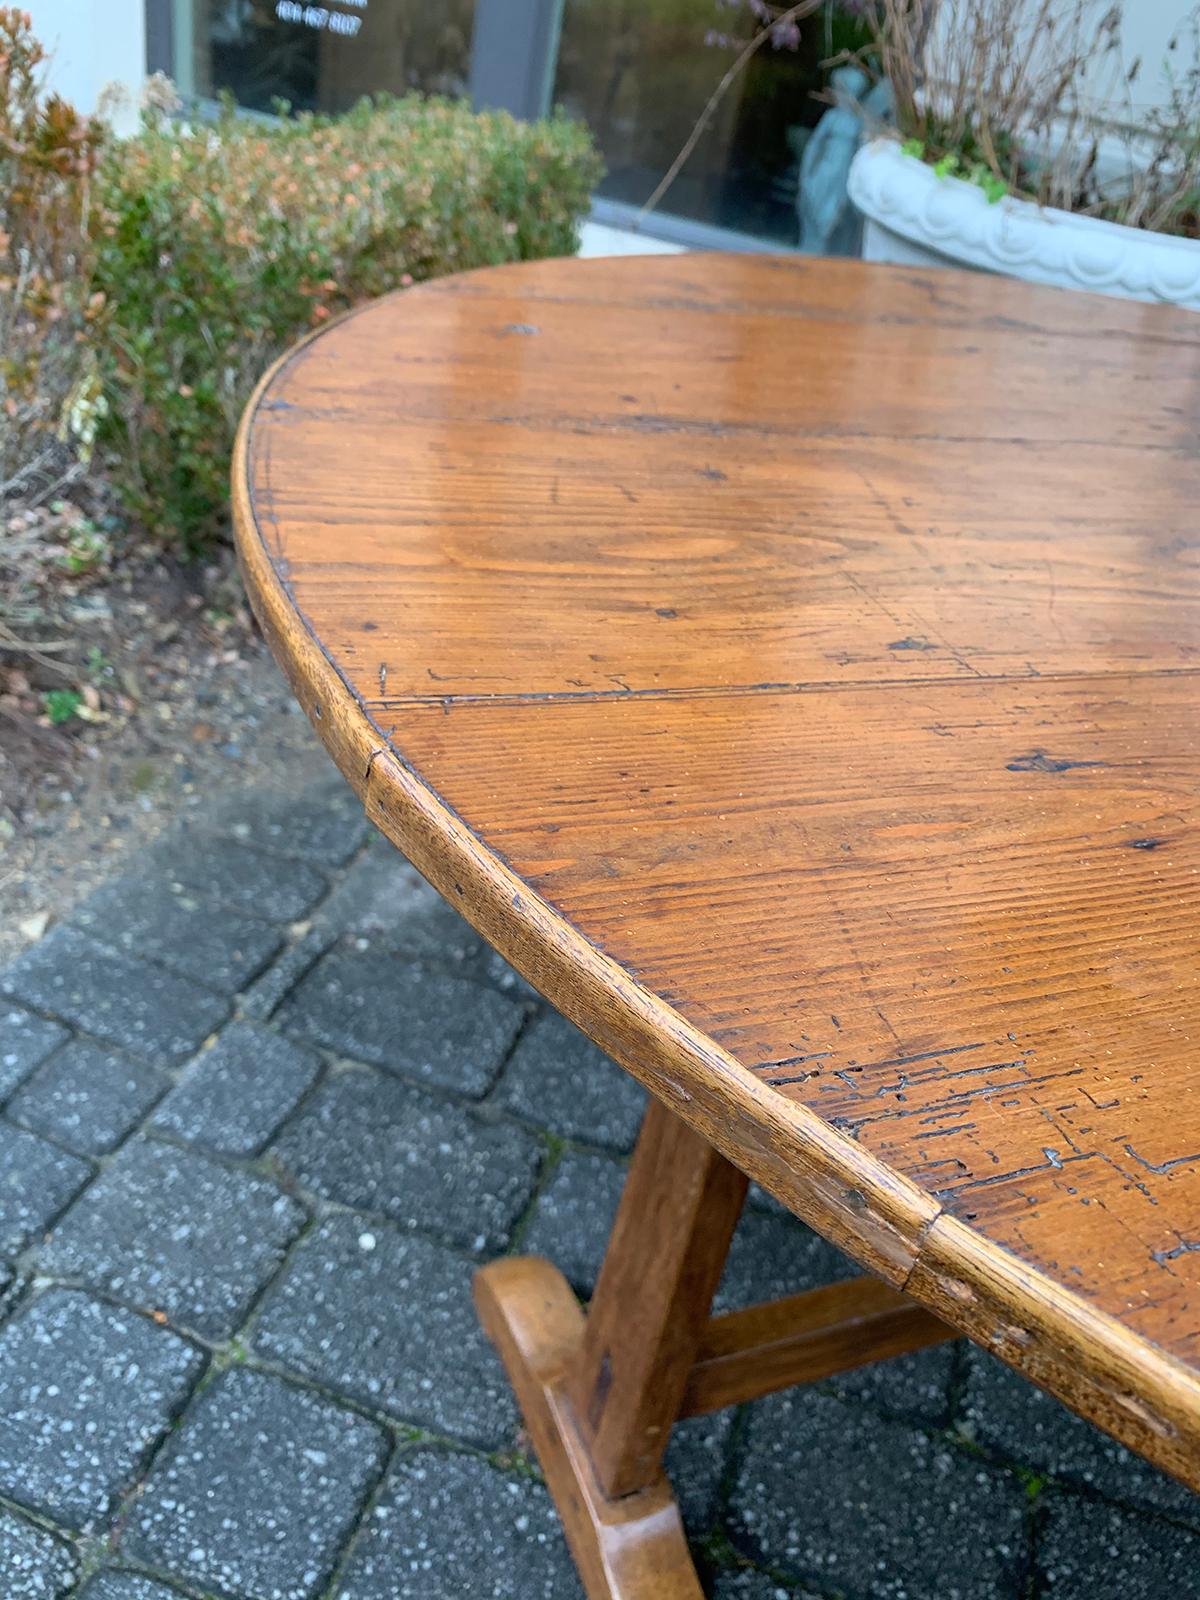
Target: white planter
(915,217)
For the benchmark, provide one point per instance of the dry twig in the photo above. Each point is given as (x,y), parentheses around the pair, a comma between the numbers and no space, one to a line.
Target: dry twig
(769,30)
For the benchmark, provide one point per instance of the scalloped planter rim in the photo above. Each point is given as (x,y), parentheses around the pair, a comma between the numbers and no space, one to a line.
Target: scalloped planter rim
(913,216)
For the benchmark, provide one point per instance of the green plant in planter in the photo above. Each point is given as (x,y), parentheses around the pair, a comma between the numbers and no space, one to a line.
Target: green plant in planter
(950,166)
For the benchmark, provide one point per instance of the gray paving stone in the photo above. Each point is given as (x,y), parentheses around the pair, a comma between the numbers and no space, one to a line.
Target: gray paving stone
(497,971)
(87,1097)
(695,1464)
(85,1391)
(573,1216)
(873,1509)
(388,1320)
(322,823)
(770,1256)
(221,872)
(234,1096)
(386,901)
(1007,1414)
(558,1079)
(125,1586)
(130,1003)
(774,1255)
(451,1527)
(151,919)
(33,1566)
(36,1182)
(915,1387)
(749,1584)
(264,996)
(174,1232)
(407,1017)
(377,1145)
(25,1041)
(1092,1551)
(258,1490)
(371,895)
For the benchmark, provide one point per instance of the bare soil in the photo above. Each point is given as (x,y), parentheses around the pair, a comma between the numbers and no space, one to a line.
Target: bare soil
(178,700)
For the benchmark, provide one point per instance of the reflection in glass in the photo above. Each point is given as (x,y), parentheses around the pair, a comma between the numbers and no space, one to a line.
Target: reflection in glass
(639,72)
(321,57)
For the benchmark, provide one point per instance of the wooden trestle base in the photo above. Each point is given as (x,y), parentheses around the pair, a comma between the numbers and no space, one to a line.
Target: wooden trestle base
(600,1393)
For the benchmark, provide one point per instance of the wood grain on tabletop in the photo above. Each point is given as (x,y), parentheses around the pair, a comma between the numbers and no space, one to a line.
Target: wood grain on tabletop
(821,642)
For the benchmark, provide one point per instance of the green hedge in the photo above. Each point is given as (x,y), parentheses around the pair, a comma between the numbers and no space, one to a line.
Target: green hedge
(219,244)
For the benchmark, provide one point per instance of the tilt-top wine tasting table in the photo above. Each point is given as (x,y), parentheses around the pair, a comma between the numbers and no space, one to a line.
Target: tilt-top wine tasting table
(793,668)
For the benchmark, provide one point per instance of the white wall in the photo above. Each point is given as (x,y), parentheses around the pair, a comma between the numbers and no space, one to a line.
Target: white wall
(92,43)
(1146,30)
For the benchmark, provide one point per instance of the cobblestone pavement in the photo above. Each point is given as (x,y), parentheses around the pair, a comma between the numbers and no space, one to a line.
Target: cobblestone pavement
(265,1103)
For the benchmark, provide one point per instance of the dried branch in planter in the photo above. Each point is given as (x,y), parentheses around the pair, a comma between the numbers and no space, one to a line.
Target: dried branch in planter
(1167,197)
(777,23)
(1034,91)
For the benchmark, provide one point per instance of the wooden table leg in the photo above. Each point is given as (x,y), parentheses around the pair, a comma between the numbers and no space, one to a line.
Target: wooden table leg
(600,1396)
(673,1230)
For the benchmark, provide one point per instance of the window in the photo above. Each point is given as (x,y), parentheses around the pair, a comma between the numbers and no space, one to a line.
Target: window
(319,57)
(641,71)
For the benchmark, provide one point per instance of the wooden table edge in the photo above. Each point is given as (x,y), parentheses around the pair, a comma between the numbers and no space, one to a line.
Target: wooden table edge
(1143,1396)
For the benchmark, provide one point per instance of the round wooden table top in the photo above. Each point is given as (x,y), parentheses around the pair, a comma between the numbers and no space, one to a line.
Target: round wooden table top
(792,667)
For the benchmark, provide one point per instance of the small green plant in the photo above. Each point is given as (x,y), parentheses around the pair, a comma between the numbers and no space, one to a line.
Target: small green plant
(61,705)
(984,178)
(87,547)
(950,166)
(97,666)
(1032,1482)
